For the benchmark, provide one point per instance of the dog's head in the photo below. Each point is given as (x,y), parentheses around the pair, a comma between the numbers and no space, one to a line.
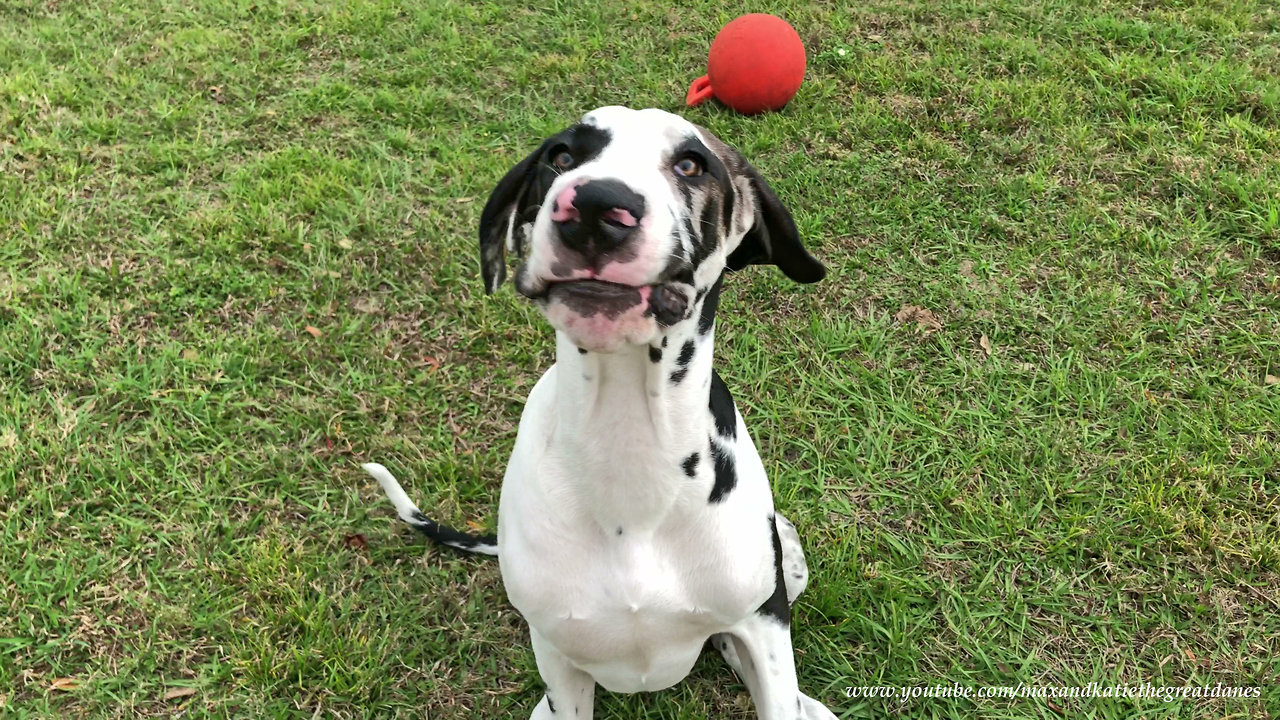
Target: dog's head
(625,221)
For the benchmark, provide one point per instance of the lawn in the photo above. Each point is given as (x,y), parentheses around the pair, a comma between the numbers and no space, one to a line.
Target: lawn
(1029,426)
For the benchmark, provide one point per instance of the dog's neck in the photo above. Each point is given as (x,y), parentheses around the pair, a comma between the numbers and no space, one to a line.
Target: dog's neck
(630,419)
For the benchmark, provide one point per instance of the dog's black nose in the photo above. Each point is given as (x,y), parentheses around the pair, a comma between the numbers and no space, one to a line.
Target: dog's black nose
(597,216)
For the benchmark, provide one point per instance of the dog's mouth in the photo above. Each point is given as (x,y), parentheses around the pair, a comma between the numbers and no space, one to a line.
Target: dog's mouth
(666,303)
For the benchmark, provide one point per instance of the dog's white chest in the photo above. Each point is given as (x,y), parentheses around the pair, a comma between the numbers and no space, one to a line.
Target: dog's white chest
(640,616)
(630,613)
(611,549)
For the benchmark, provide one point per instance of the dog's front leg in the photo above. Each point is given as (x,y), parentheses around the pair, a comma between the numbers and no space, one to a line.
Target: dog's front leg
(764,660)
(570,691)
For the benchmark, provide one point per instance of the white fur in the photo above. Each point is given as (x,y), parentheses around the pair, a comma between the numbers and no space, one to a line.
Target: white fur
(405,507)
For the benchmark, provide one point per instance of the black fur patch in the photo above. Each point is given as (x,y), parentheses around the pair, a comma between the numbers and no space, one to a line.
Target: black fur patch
(690,465)
(726,474)
(550,705)
(682,274)
(446,535)
(702,246)
(776,606)
(707,317)
(682,362)
(721,403)
(655,354)
(582,351)
(586,142)
(686,353)
(709,223)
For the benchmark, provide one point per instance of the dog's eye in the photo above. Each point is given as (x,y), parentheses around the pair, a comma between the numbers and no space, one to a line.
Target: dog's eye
(563,159)
(687,167)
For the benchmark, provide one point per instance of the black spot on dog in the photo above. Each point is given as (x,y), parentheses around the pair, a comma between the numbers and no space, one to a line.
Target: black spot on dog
(726,216)
(664,341)
(709,221)
(655,354)
(726,474)
(619,530)
(587,141)
(678,270)
(776,606)
(707,317)
(690,465)
(721,404)
(582,351)
(550,705)
(682,361)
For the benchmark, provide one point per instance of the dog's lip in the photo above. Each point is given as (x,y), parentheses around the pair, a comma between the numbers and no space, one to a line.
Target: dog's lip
(665,302)
(589,284)
(587,292)
(597,282)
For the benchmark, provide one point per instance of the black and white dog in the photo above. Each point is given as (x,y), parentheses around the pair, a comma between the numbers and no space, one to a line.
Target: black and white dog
(636,520)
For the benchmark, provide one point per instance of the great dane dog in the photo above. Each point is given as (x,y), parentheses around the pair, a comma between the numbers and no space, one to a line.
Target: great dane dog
(636,521)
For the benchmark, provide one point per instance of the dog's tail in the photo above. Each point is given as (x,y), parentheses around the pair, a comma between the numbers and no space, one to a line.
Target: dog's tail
(443,534)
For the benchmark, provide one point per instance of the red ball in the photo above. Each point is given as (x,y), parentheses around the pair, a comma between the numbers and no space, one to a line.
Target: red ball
(756,64)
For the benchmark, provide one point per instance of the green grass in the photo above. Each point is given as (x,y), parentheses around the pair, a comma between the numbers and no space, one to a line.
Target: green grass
(185,187)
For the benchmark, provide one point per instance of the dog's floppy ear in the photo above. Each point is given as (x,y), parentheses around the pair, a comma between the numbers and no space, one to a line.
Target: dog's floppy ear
(773,238)
(502,217)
